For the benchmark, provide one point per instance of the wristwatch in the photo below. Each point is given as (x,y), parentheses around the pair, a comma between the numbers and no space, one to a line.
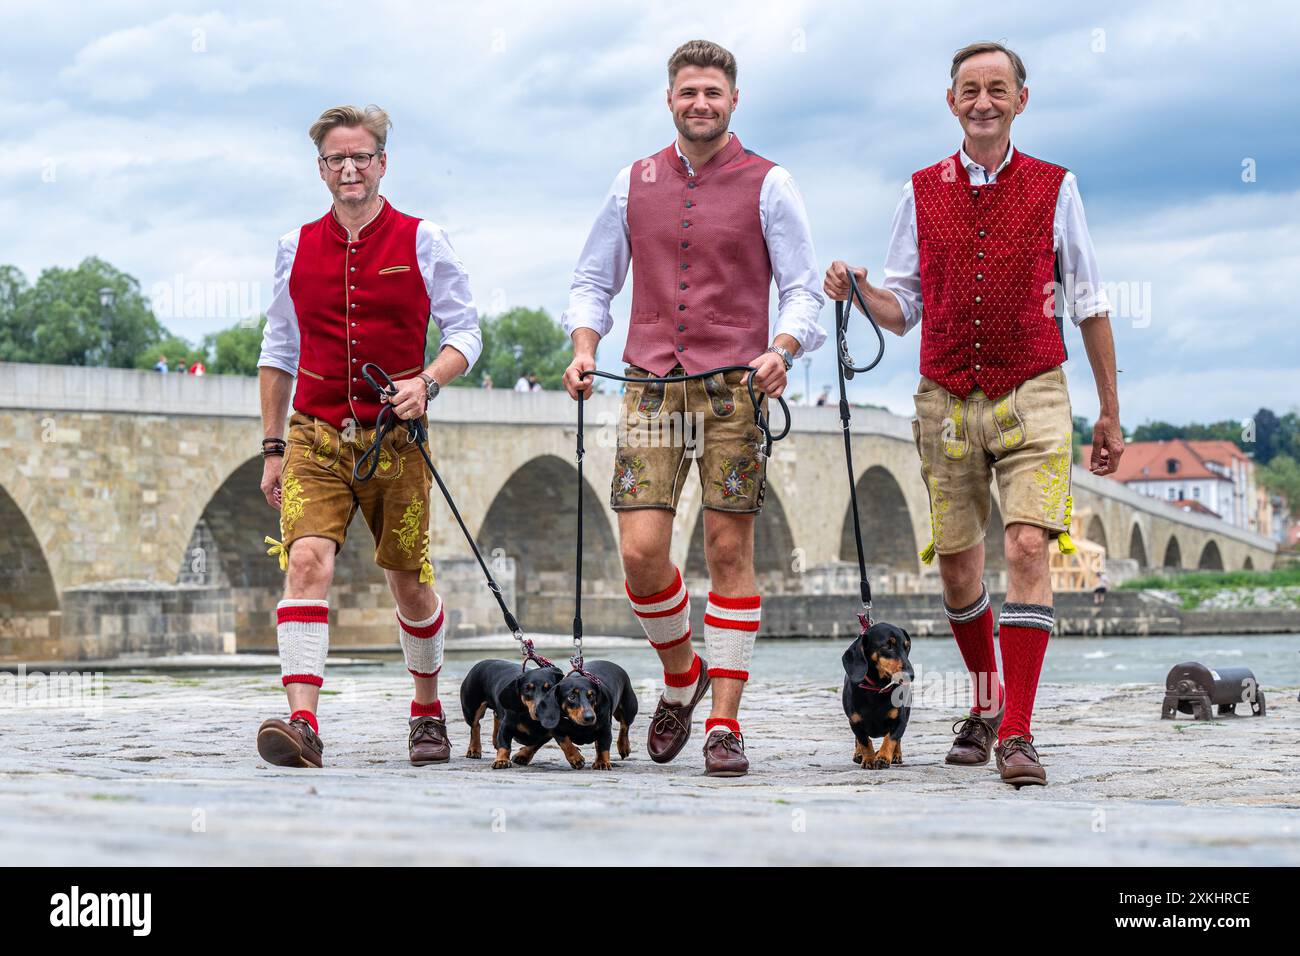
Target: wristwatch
(786,357)
(432,387)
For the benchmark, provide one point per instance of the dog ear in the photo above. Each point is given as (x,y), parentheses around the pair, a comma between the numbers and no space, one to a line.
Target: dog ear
(855,662)
(549,710)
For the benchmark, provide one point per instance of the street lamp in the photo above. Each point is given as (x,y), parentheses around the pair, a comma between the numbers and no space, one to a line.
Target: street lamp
(106,297)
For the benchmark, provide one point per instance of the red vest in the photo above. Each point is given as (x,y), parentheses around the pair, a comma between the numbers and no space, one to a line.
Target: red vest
(987,274)
(700,270)
(357,302)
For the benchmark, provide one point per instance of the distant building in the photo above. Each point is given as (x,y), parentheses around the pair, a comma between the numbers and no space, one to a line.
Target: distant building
(1210,477)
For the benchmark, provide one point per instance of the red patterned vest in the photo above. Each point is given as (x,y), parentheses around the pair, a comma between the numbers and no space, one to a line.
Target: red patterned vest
(987,271)
(700,269)
(357,302)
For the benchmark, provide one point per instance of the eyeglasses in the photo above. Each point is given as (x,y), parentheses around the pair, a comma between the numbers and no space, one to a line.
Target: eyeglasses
(359,160)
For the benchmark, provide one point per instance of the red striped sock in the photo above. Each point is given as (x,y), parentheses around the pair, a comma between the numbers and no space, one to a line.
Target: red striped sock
(1023,630)
(426,710)
(666,615)
(724,723)
(680,688)
(306,715)
(972,626)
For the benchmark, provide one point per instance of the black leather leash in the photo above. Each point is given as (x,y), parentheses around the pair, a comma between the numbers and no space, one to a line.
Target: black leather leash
(385,423)
(845,369)
(760,420)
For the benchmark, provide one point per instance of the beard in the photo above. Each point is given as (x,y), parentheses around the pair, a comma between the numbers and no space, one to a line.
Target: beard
(371,190)
(712,132)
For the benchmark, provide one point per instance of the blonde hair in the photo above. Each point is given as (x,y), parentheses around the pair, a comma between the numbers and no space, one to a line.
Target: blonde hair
(374,119)
(703,53)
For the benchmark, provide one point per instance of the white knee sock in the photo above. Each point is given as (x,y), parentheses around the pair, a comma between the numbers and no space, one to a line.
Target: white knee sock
(422,642)
(730,626)
(303,633)
(665,617)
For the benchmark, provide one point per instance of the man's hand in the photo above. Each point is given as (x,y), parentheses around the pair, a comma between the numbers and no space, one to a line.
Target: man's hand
(271,468)
(769,374)
(1107,446)
(837,280)
(574,383)
(411,399)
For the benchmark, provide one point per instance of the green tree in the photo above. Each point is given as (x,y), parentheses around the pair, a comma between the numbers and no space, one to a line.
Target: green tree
(1281,476)
(235,351)
(517,342)
(61,320)
(180,354)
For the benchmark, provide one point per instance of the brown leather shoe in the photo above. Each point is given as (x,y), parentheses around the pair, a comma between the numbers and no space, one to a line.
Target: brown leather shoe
(974,742)
(670,727)
(289,743)
(724,755)
(1018,763)
(428,741)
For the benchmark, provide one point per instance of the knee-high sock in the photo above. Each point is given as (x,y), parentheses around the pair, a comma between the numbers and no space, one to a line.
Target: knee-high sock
(665,617)
(422,642)
(302,631)
(730,626)
(1023,630)
(972,626)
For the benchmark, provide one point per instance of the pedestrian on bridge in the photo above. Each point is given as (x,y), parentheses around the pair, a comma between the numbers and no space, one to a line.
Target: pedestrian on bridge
(357,285)
(986,244)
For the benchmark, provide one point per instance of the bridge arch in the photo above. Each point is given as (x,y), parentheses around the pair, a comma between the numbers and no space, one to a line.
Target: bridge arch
(1173,554)
(887,534)
(533,519)
(773,545)
(26,582)
(1211,559)
(1096,532)
(1137,547)
(1248,564)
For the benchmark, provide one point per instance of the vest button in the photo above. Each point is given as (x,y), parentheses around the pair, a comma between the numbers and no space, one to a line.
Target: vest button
(354,341)
(354,361)
(690,185)
(681,308)
(979,299)
(686,245)
(977,321)
(979,277)
(975,192)
(354,248)
(681,348)
(983,233)
(354,379)
(977,345)
(354,305)
(979,255)
(353,288)
(682,285)
(686,223)
(681,328)
(354,268)
(685,265)
(689,204)
(977,368)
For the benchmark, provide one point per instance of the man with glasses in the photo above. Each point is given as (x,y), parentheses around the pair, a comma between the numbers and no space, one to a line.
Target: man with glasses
(357,285)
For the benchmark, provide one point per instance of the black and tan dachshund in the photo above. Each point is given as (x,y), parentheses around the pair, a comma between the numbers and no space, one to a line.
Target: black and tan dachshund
(523,703)
(877,693)
(588,711)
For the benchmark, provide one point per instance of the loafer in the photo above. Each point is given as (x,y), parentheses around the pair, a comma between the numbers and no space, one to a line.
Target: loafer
(1018,763)
(724,755)
(670,728)
(289,743)
(427,741)
(974,741)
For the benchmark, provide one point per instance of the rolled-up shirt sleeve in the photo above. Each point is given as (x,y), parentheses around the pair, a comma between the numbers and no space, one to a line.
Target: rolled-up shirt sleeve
(280,339)
(794,261)
(1084,292)
(902,270)
(602,266)
(451,303)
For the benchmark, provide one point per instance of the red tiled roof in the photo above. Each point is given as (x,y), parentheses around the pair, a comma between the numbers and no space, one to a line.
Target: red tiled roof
(1147,461)
(1189,504)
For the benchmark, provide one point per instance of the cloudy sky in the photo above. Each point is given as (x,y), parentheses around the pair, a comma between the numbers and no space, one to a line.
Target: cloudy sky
(170,139)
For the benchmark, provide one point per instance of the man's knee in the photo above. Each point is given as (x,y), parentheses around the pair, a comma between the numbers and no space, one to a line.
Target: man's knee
(311,564)
(1026,545)
(643,553)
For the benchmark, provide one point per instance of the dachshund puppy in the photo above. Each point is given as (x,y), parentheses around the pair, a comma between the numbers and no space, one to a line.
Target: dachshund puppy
(877,692)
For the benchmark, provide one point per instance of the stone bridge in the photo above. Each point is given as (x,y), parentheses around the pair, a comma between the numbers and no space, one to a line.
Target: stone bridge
(131,520)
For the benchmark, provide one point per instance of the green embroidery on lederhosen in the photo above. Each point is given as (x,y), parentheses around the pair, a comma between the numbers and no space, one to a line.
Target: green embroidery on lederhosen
(651,399)
(737,479)
(408,529)
(1011,427)
(720,396)
(627,477)
(955,442)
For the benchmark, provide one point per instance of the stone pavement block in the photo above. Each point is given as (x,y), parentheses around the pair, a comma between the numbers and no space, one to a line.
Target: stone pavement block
(166,772)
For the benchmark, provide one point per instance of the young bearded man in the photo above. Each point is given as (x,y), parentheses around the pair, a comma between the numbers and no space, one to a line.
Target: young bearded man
(978,241)
(709,225)
(357,285)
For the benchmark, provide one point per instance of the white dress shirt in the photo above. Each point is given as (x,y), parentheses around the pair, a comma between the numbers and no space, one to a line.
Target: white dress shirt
(1085,296)
(451,304)
(602,267)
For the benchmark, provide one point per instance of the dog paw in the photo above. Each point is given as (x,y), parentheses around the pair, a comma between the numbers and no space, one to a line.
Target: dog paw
(500,764)
(857,756)
(474,753)
(880,763)
(577,763)
(898,759)
(602,763)
(522,759)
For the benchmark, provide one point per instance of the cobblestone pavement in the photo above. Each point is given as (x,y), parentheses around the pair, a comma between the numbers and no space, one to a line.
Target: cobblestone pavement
(166,773)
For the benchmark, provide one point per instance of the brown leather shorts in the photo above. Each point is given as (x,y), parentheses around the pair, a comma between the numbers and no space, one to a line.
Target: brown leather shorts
(661,428)
(319,496)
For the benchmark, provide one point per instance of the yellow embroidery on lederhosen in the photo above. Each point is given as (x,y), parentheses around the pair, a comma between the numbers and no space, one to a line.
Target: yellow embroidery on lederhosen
(408,531)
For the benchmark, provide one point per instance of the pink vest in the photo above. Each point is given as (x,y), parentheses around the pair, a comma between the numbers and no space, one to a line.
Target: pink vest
(700,268)
(357,302)
(987,271)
